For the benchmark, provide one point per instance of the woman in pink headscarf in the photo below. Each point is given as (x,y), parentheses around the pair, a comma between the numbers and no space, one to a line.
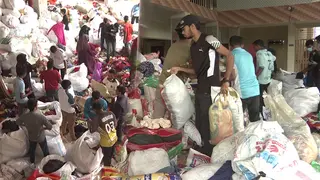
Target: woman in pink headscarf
(58,30)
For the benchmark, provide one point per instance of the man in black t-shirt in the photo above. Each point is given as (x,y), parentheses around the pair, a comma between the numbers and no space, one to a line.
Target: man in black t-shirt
(111,32)
(205,51)
(103,32)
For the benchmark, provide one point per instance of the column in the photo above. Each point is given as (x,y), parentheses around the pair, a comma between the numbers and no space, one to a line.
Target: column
(291,48)
(40,6)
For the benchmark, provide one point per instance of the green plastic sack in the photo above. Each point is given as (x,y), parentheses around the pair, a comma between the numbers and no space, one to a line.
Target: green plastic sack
(315,166)
(151,81)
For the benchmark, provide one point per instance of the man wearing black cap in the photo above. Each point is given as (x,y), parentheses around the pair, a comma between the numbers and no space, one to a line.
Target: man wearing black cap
(177,55)
(205,50)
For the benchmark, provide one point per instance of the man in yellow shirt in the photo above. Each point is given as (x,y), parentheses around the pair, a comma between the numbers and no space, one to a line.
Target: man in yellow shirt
(105,123)
(178,55)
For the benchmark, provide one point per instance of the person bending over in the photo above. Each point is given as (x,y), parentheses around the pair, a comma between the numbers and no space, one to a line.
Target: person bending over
(35,124)
(96,97)
(105,123)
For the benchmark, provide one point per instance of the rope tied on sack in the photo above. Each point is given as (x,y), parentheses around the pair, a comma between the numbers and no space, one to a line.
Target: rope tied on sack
(261,174)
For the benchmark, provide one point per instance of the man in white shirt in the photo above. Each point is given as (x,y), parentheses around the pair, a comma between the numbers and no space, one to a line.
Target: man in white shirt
(59,60)
(66,100)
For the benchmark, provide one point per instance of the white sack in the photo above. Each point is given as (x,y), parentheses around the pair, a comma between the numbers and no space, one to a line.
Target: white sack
(13,145)
(22,30)
(225,150)
(38,89)
(18,45)
(235,106)
(316,137)
(275,88)
(10,21)
(289,80)
(147,161)
(204,171)
(52,37)
(192,132)
(2,5)
(46,23)
(66,170)
(82,156)
(137,105)
(4,30)
(178,101)
(295,128)
(15,4)
(56,17)
(14,12)
(19,164)
(79,79)
(156,63)
(263,147)
(303,101)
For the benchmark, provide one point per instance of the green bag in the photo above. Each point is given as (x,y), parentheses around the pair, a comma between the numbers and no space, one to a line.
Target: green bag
(315,166)
(173,152)
(151,81)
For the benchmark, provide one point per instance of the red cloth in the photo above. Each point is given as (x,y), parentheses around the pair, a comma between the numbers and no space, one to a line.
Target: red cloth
(128,30)
(58,30)
(30,3)
(51,79)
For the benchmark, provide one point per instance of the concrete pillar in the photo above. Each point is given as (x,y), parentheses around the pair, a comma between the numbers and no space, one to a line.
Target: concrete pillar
(291,48)
(40,6)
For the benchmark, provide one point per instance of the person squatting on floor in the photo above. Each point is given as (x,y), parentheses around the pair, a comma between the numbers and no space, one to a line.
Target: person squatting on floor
(205,50)
(35,124)
(105,123)
(66,100)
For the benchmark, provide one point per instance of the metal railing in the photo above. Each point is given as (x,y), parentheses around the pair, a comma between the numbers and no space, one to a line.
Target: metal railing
(210,4)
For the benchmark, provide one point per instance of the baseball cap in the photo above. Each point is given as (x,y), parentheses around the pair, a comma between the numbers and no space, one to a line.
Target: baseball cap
(187,21)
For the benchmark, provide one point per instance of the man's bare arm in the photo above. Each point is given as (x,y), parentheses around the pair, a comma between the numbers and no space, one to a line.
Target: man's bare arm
(229,60)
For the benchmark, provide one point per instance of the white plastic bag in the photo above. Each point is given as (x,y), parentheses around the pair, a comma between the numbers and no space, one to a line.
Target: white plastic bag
(275,88)
(13,145)
(178,101)
(38,89)
(56,145)
(192,132)
(4,30)
(79,79)
(19,164)
(303,101)
(235,106)
(225,150)
(14,4)
(196,158)
(65,171)
(202,172)
(82,156)
(263,147)
(295,128)
(10,21)
(147,161)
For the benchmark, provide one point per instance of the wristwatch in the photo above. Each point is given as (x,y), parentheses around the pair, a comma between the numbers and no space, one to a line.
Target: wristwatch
(224,80)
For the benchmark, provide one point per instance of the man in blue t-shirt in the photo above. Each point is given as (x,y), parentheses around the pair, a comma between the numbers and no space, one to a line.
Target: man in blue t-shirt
(19,91)
(249,85)
(135,13)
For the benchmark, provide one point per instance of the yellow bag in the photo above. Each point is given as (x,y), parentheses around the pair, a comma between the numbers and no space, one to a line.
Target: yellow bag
(220,118)
(96,86)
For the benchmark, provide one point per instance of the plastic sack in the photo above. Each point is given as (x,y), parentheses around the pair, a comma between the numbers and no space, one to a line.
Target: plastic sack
(135,104)
(83,156)
(225,150)
(19,164)
(52,37)
(64,172)
(196,158)
(15,4)
(235,106)
(288,80)
(220,118)
(316,137)
(192,132)
(295,128)
(150,95)
(204,171)
(275,87)
(10,21)
(263,147)
(4,30)
(303,101)
(13,145)
(178,101)
(96,86)
(79,79)
(148,161)
(38,89)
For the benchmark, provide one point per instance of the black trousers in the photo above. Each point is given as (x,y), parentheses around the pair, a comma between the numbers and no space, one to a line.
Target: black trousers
(134,19)
(102,40)
(263,87)
(107,155)
(62,72)
(202,105)
(33,147)
(111,48)
(253,106)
